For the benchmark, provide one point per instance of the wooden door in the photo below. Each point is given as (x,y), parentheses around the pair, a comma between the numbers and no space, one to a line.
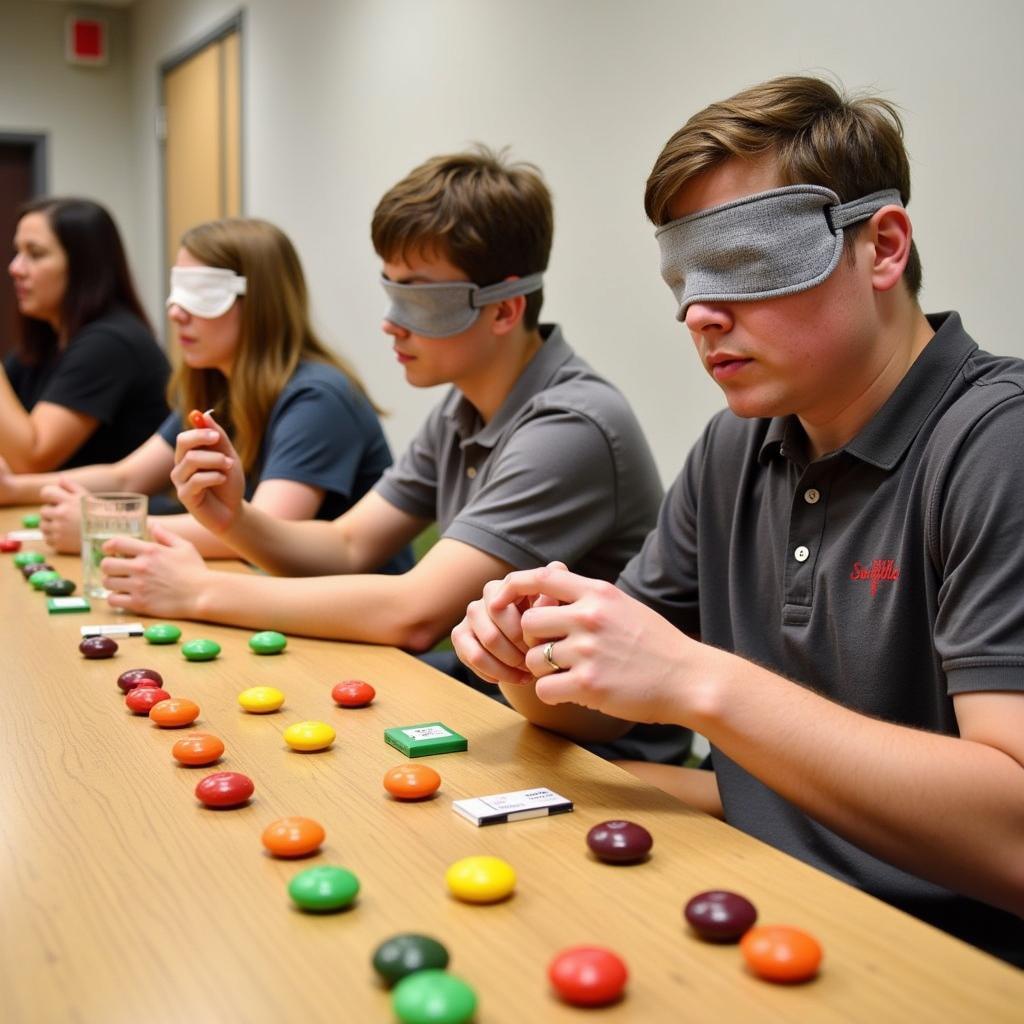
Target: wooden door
(202,98)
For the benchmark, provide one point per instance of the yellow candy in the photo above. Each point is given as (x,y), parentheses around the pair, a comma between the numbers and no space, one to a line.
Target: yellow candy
(309,736)
(261,699)
(480,879)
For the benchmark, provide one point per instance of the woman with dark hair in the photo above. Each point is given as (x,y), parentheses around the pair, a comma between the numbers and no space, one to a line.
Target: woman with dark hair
(88,379)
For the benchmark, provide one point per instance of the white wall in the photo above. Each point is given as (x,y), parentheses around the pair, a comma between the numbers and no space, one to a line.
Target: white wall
(342,98)
(85,111)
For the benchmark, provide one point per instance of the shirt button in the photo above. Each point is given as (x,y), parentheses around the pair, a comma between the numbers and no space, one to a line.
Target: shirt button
(812,496)
(471,472)
(801,554)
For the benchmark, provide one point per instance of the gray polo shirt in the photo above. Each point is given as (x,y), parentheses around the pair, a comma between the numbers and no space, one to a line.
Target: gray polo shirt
(886,576)
(562,471)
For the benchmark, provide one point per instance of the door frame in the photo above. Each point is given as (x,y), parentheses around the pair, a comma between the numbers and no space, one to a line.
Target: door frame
(36,143)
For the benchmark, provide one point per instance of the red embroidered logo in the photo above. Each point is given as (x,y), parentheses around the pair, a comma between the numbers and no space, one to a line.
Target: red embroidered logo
(881,569)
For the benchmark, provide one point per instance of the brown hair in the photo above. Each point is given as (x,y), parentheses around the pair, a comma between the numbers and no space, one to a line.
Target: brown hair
(98,278)
(491,218)
(817,135)
(274,337)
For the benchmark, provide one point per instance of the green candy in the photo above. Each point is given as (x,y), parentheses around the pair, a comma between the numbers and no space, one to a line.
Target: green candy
(268,642)
(433,997)
(31,521)
(200,650)
(323,888)
(28,558)
(402,955)
(162,633)
(41,578)
(59,588)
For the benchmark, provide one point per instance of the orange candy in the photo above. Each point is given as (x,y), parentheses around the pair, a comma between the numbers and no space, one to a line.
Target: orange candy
(198,748)
(411,781)
(197,419)
(293,837)
(174,713)
(781,953)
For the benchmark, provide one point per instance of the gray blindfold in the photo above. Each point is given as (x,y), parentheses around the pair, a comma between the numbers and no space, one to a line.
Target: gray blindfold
(440,310)
(774,243)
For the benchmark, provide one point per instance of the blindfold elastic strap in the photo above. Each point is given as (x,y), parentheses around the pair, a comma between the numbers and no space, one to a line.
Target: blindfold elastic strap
(853,212)
(506,290)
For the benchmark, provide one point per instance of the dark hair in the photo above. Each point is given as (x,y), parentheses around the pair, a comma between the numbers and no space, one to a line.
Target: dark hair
(98,278)
(492,218)
(817,134)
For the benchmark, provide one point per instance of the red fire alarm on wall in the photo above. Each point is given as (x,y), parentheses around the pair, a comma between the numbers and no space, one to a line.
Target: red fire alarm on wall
(85,40)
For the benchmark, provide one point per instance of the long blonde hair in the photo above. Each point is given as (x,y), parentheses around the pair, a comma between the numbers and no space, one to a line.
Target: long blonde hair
(275,334)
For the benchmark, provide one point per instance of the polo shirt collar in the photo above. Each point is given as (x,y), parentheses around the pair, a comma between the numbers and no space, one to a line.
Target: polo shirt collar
(535,378)
(887,435)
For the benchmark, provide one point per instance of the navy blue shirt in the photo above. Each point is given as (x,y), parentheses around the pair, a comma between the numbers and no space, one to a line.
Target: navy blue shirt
(322,432)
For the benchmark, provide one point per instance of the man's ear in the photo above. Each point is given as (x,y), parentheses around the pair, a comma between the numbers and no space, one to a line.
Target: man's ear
(508,314)
(890,234)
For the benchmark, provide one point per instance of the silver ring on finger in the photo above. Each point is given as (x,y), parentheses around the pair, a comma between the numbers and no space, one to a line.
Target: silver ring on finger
(549,656)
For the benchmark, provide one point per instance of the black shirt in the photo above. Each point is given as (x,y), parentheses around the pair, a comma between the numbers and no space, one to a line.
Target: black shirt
(112,370)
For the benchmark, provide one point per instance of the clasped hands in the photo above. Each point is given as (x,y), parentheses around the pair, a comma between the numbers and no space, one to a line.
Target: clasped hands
(613,654)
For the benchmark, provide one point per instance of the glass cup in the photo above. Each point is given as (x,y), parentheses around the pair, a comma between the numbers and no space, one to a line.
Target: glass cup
(104,516)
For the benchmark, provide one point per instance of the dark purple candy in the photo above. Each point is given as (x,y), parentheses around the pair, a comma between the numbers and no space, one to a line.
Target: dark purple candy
(27,570)
(98,647)
(619,842)
(130,679)
(720,916)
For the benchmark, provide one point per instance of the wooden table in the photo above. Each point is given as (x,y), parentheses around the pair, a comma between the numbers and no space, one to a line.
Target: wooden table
(126,900)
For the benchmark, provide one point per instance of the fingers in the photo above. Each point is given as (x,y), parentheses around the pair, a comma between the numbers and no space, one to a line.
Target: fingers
(129,547)
(547,622)
(71,487)
(212,436)
(482,662)
(166,537)
(500,639)
(197,461)
(193,492)
(552,581)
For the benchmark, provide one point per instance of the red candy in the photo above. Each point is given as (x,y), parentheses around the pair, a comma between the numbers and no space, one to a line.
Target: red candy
(198,748)
(8,545)
(588,976)
(141,700)
(139,677)
(98,647)
(225,789)
(780,953)
(353,693)
(197,419)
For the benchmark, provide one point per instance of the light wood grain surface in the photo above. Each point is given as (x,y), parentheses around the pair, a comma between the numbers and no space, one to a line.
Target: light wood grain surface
(126,900)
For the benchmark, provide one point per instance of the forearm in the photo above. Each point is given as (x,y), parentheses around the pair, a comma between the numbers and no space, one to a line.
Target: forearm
(289,548)
(694,786)
(363,608)
(897,792)
(577,723)
(208,544)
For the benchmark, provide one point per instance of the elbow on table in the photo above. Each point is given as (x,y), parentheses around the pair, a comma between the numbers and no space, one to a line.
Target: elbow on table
(418,634)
